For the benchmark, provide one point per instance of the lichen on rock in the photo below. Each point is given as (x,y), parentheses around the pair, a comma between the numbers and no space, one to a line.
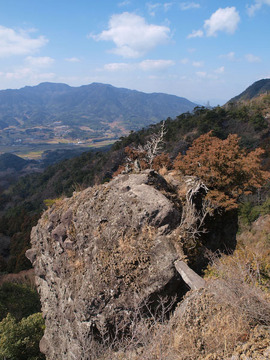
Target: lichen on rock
(100,253)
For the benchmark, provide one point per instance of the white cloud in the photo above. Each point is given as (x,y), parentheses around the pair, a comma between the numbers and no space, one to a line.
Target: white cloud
(252,58)
(18,42)
(18,74)
(117,66)
(189,5)
(198,63)
(205,75)
(225,20)
(167,6)
(256,6)
(201,74)
(195,33)
(152,8)
(124,3)
(132,36)
(73,60)
(44,61)
(220,70)
(147,65)
(43,76)
(230,56)
(184,61)
(29,74)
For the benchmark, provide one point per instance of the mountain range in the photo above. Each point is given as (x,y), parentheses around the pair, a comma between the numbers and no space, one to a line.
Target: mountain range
(52,112)
(103,244)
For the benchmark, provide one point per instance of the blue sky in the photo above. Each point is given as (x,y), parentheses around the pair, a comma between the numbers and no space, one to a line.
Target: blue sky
(203,50)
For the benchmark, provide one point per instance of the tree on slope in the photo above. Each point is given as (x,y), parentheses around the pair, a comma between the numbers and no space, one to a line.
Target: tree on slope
(226,169)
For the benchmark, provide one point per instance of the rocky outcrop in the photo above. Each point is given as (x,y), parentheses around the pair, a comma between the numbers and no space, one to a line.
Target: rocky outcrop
(102,252)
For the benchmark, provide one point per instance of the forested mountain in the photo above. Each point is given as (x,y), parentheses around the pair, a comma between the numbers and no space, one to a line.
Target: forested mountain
(97,106)
(10,161)
(23,202)
(258,88)
(202,141)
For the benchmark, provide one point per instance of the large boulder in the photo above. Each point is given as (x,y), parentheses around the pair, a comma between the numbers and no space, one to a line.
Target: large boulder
(101,253)
(98,254)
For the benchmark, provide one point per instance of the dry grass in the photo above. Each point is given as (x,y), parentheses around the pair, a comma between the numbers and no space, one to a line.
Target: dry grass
(140,335)
(208,326)
(230,317)
(245,275)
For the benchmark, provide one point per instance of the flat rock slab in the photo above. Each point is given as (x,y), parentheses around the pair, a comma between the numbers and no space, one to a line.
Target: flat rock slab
(191,278)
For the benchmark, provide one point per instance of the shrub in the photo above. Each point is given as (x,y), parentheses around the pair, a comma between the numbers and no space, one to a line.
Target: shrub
(20,340)
(224,167)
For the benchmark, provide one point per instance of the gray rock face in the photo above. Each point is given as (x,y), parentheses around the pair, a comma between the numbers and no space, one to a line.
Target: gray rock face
(98,253)
(103,252)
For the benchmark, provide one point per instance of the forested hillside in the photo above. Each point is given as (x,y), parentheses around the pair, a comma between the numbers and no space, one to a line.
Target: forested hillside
(22,204)
(260,87)
(57,116)
(228,147)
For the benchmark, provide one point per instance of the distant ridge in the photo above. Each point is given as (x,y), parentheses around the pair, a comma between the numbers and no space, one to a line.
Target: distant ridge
(95,105)
(254,90)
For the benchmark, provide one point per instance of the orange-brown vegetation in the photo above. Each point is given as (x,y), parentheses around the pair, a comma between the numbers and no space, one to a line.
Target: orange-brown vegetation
(228,170)
(137,157)
(162,161)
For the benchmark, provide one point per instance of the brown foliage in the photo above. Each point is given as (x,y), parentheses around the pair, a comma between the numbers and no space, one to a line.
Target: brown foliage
(225,168)
(161,161)
(139,157)
(119,171)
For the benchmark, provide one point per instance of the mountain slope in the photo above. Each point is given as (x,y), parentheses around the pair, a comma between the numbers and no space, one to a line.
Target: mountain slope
(22,204)
(95,105)
(259,87)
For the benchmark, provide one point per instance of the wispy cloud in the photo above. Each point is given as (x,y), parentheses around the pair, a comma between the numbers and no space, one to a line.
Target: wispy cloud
(117,66)
(251,9)
(39,62)
(73,60)
(252,58)
(19,42)
(195,33)
(145,65)
(132,35)
(220,70)
(154,7)
(206,75)
(29,74)
(189,5)
(124,3)
(229,56)
(167,6)
(225,20)
(211,75)
(198,63)
(201,74)
(184,61)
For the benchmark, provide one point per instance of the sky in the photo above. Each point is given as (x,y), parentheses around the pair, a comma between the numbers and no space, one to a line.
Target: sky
(203,50)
